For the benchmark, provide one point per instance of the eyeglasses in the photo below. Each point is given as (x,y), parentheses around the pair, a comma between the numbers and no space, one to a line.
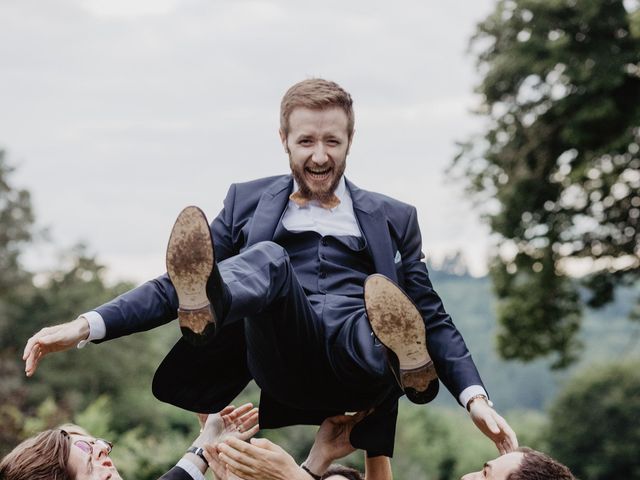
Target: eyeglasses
(87,447)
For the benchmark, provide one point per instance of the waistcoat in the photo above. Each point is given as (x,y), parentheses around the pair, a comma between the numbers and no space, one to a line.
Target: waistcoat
(328,264)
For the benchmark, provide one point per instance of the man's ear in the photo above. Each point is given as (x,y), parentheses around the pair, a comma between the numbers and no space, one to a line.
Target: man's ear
(350,140)
(283,140)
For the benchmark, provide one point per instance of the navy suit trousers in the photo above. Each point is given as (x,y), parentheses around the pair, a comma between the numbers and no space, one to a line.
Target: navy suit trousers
(309,352)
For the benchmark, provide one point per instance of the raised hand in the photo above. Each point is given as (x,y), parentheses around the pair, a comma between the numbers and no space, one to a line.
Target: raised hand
(259,459)
(493,426)
(53,339)
(332,440)
(241,422)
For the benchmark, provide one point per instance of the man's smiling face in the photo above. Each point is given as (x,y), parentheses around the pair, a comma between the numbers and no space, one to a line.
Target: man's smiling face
(317,143)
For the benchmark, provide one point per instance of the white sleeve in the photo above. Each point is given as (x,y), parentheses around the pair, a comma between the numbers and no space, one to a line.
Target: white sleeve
(193,471)
(469,392)
(97,328)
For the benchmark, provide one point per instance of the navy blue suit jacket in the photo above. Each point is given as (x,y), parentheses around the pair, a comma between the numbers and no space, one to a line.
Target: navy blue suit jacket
(250,215)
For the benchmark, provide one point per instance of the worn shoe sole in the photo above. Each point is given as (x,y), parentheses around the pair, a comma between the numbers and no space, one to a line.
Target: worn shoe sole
(397,323)
(190,261)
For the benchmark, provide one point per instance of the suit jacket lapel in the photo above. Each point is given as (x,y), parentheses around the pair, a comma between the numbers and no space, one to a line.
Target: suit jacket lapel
(269,211)
(373,224)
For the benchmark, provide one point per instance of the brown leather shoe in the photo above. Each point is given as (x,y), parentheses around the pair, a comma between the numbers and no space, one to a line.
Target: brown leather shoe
(190,263)
(397,323)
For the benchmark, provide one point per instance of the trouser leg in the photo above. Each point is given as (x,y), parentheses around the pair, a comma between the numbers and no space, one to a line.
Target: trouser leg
(303,350)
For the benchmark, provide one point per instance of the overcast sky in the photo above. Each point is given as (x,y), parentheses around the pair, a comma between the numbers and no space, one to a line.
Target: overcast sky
(118,113)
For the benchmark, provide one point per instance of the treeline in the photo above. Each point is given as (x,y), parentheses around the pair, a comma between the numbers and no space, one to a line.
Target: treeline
(106,387)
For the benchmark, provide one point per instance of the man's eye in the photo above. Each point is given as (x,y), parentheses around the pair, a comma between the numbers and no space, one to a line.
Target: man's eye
(333,143)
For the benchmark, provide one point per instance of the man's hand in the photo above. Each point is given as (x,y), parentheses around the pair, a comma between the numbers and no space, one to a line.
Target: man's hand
(258,460)
(241,422)
(53,339)
(332,441)
(230,422)
(493,426)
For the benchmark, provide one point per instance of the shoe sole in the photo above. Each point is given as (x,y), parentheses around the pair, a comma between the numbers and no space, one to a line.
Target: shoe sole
(190,260)
(398,325)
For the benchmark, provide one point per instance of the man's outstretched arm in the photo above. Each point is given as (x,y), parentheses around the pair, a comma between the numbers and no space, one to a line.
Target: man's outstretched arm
(53,339)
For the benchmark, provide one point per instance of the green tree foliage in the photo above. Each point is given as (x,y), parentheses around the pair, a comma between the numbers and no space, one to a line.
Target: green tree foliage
(69,382)
(16,219)
(594,425)
(557,171)
(16,224)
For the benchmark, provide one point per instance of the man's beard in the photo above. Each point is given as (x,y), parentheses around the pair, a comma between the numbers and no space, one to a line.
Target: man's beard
(305,189)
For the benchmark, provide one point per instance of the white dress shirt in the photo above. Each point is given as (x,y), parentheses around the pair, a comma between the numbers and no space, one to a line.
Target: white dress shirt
(336,221)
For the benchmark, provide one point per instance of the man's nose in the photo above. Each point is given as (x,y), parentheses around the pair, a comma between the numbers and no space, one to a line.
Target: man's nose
(100,451)
(320,154)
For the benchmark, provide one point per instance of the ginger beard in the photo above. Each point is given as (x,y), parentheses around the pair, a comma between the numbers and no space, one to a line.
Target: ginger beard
(317,182)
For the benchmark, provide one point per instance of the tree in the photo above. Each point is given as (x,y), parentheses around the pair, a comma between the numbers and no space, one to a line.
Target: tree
(16,223)
(557,171)
(594,425)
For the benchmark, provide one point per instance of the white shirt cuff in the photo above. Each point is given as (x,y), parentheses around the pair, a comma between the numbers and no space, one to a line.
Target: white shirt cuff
(193,471)
(471,391)
(97,328)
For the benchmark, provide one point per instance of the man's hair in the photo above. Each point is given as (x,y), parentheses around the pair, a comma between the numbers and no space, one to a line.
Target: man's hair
(538,466)
(316,94)
(41,457)
(346,472)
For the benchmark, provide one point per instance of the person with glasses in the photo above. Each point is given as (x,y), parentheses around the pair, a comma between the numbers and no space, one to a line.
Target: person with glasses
(70,453)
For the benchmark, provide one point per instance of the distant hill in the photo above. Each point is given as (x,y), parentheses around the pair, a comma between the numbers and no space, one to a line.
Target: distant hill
(607,334)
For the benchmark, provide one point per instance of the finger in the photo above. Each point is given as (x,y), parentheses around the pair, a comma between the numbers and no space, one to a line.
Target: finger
(262,443)
(249,419)
(237,444)
(235,462)
(250,432)
(227,410)
(511,437)
(29,346)
(248,413)
(242,409)
(237,448)
(32,360)
(492,425)
(359,416)
(234,474)
(233,416)
(501,449)
(340,419)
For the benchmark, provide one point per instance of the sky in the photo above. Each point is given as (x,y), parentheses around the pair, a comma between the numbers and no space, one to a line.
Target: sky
(118,113)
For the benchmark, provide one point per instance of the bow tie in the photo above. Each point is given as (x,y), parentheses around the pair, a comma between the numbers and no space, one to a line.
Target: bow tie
(302,201)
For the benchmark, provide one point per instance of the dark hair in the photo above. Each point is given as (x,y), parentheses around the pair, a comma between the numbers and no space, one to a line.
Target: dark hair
(316,94)
(346,472)
(538,466)
(41,457)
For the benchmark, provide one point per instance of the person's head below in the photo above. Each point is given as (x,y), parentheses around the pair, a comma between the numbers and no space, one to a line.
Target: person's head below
(316,130)
(340,472)
(522,464)
(65,453)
